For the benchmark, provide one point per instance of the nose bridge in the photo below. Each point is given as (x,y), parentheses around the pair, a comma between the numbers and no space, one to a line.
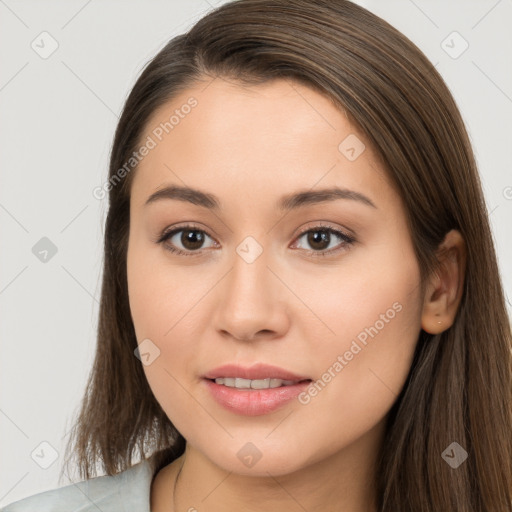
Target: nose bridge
(248,301)
(248,282)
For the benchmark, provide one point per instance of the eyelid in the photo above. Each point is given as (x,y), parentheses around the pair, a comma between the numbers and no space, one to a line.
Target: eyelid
(319,224)
(176,228)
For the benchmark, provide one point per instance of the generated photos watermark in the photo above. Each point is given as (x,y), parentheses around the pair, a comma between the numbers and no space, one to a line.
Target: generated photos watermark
(343,360)
(151,142)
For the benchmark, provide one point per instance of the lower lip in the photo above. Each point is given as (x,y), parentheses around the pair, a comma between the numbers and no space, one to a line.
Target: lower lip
(254,402)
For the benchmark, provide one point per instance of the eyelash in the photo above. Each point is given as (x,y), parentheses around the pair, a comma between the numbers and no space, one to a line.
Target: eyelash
(347,240)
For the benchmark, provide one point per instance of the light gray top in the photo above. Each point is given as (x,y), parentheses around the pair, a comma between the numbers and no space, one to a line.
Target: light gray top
(128,491)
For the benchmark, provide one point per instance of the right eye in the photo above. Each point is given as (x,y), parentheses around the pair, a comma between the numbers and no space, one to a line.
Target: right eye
(191,239)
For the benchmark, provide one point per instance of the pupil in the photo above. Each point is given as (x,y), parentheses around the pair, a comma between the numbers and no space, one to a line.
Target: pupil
(323,239)
(194,239)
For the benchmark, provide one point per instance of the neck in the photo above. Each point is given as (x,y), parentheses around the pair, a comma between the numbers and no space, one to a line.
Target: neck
(343,482)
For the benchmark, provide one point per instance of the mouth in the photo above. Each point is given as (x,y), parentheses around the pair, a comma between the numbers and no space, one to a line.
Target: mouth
(256,390)
(268,383)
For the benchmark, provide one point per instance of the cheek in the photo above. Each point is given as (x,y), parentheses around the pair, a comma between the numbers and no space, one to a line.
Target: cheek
(159,295)
(373,312)
(163,314)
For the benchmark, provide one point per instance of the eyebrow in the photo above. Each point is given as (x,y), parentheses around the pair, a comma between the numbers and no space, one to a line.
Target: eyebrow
(286,203)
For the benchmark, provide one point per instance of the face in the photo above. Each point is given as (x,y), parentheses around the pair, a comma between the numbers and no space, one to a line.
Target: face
(319,290)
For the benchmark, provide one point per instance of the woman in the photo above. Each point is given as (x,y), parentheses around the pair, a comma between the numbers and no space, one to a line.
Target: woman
(301,305)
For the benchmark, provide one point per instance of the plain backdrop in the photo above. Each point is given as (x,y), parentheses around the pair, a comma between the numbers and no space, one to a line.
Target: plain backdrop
(58,116)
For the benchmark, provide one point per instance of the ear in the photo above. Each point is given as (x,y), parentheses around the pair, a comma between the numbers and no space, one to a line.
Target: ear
(444,288)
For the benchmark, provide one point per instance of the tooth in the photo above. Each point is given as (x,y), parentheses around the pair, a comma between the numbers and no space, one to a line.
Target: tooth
(242,383)
(260,384)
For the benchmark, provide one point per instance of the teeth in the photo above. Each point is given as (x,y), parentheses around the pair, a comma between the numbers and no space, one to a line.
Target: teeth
(239,383)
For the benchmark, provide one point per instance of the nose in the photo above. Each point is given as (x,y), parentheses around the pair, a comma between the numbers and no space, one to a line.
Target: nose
(251,302)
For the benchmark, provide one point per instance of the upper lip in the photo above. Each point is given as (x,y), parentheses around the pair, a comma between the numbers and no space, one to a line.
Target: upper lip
(256,371)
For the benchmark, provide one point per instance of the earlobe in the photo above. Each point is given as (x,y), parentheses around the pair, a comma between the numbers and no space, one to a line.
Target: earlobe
(444,290)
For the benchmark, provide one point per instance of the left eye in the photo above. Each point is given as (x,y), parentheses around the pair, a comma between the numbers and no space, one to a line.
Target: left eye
(320,237)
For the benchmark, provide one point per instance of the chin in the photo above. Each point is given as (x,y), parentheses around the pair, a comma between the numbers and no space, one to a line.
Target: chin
(258,458)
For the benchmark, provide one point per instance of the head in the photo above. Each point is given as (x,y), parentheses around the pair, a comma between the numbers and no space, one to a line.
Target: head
(260,101)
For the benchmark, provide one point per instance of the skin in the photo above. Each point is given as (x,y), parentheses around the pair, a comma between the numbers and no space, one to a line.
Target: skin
(249,146)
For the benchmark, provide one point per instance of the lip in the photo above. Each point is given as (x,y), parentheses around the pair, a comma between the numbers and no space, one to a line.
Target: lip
(254,402)
(257,371)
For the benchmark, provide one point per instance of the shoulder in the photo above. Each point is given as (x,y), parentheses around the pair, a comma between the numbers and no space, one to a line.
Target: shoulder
(128,490)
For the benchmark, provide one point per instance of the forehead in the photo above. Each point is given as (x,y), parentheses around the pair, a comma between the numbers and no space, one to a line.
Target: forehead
(222,135)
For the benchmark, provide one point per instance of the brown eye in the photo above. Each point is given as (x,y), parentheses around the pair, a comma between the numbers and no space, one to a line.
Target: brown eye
(186,240)
(192,239)
(319,238)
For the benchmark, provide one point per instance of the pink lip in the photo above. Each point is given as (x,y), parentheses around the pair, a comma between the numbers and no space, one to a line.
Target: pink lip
(257,371)
(254,402)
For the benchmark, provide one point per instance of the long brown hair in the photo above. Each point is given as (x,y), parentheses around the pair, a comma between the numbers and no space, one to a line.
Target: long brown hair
(459,388)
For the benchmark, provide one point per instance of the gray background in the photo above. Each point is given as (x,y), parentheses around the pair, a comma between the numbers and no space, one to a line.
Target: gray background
(58,118)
